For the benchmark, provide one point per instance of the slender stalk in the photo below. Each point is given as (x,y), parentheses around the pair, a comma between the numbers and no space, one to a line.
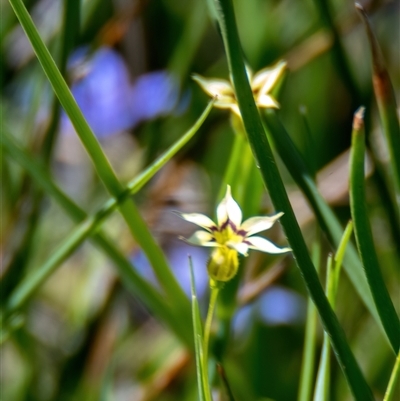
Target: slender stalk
(214,288)
(242,175)
(393,382)
(239,141)
(362,228)
(265,160)
(198,340)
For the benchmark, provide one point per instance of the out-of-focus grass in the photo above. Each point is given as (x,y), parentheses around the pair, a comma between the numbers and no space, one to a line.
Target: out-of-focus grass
(84,334)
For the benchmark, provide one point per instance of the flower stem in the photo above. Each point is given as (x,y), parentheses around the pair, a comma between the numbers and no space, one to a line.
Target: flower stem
(214,287)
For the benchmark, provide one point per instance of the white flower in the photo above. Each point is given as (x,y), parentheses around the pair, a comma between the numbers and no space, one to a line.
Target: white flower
(230,236)
(261,84)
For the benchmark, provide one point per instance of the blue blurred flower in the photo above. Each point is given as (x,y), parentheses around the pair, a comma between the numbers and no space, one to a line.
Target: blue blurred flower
(154,94)
(279,305)
(108,100)
(276,306)
(177,255)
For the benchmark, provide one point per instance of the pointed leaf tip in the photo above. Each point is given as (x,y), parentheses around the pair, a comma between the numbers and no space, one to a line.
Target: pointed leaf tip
(358,120)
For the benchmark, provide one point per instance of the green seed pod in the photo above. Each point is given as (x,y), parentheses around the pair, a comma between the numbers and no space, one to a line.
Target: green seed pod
(223,264)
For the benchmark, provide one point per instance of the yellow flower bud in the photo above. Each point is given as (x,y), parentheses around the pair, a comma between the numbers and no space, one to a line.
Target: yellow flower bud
(223,264)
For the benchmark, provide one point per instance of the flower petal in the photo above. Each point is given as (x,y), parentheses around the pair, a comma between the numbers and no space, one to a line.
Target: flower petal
(214,86)
(260,223)
(225,102)
(267,101)
(263,245)
(265,79)
(201,238)
(241,247)
(229,209)
(200,219)
(249,73)
(235,109)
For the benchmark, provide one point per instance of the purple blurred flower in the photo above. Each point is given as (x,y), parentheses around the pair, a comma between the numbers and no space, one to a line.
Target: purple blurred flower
(109,102)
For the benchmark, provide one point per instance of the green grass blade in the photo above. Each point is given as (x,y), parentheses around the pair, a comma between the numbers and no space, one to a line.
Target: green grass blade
(390,393)
(324,370)
(338,51)
(70,35)
(21,257)
(308,362)
(198,338)
(195,27)
(322,385)
(233,166)
(296,166)
(339,256)
(386,100)
(265,160)
(332,283)
(310,146)
(128,209)
(224,379)
(106,388)
(362,228)
(27,288)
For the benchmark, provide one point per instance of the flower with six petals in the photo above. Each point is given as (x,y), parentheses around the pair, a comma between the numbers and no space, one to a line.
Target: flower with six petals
(231,236)
(261,84)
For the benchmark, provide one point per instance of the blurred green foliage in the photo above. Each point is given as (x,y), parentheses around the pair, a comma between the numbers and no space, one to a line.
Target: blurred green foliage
(84,335)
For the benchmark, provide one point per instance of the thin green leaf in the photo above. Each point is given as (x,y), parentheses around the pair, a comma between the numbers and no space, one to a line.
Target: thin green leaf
(198,337)
(309,146)
(324,370)
(265,160)
(227,387)
(106,393)
(338,52)
(127,208)
(308,362)
(386,100)
(19,264)
(70,35)
(344,243)
(332,284)
(362,228)
(392,388)
(90,225)
(195,27)
(296,165)
(214,291)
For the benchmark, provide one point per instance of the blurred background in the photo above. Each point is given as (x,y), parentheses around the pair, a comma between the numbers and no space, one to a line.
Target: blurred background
(129,67)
